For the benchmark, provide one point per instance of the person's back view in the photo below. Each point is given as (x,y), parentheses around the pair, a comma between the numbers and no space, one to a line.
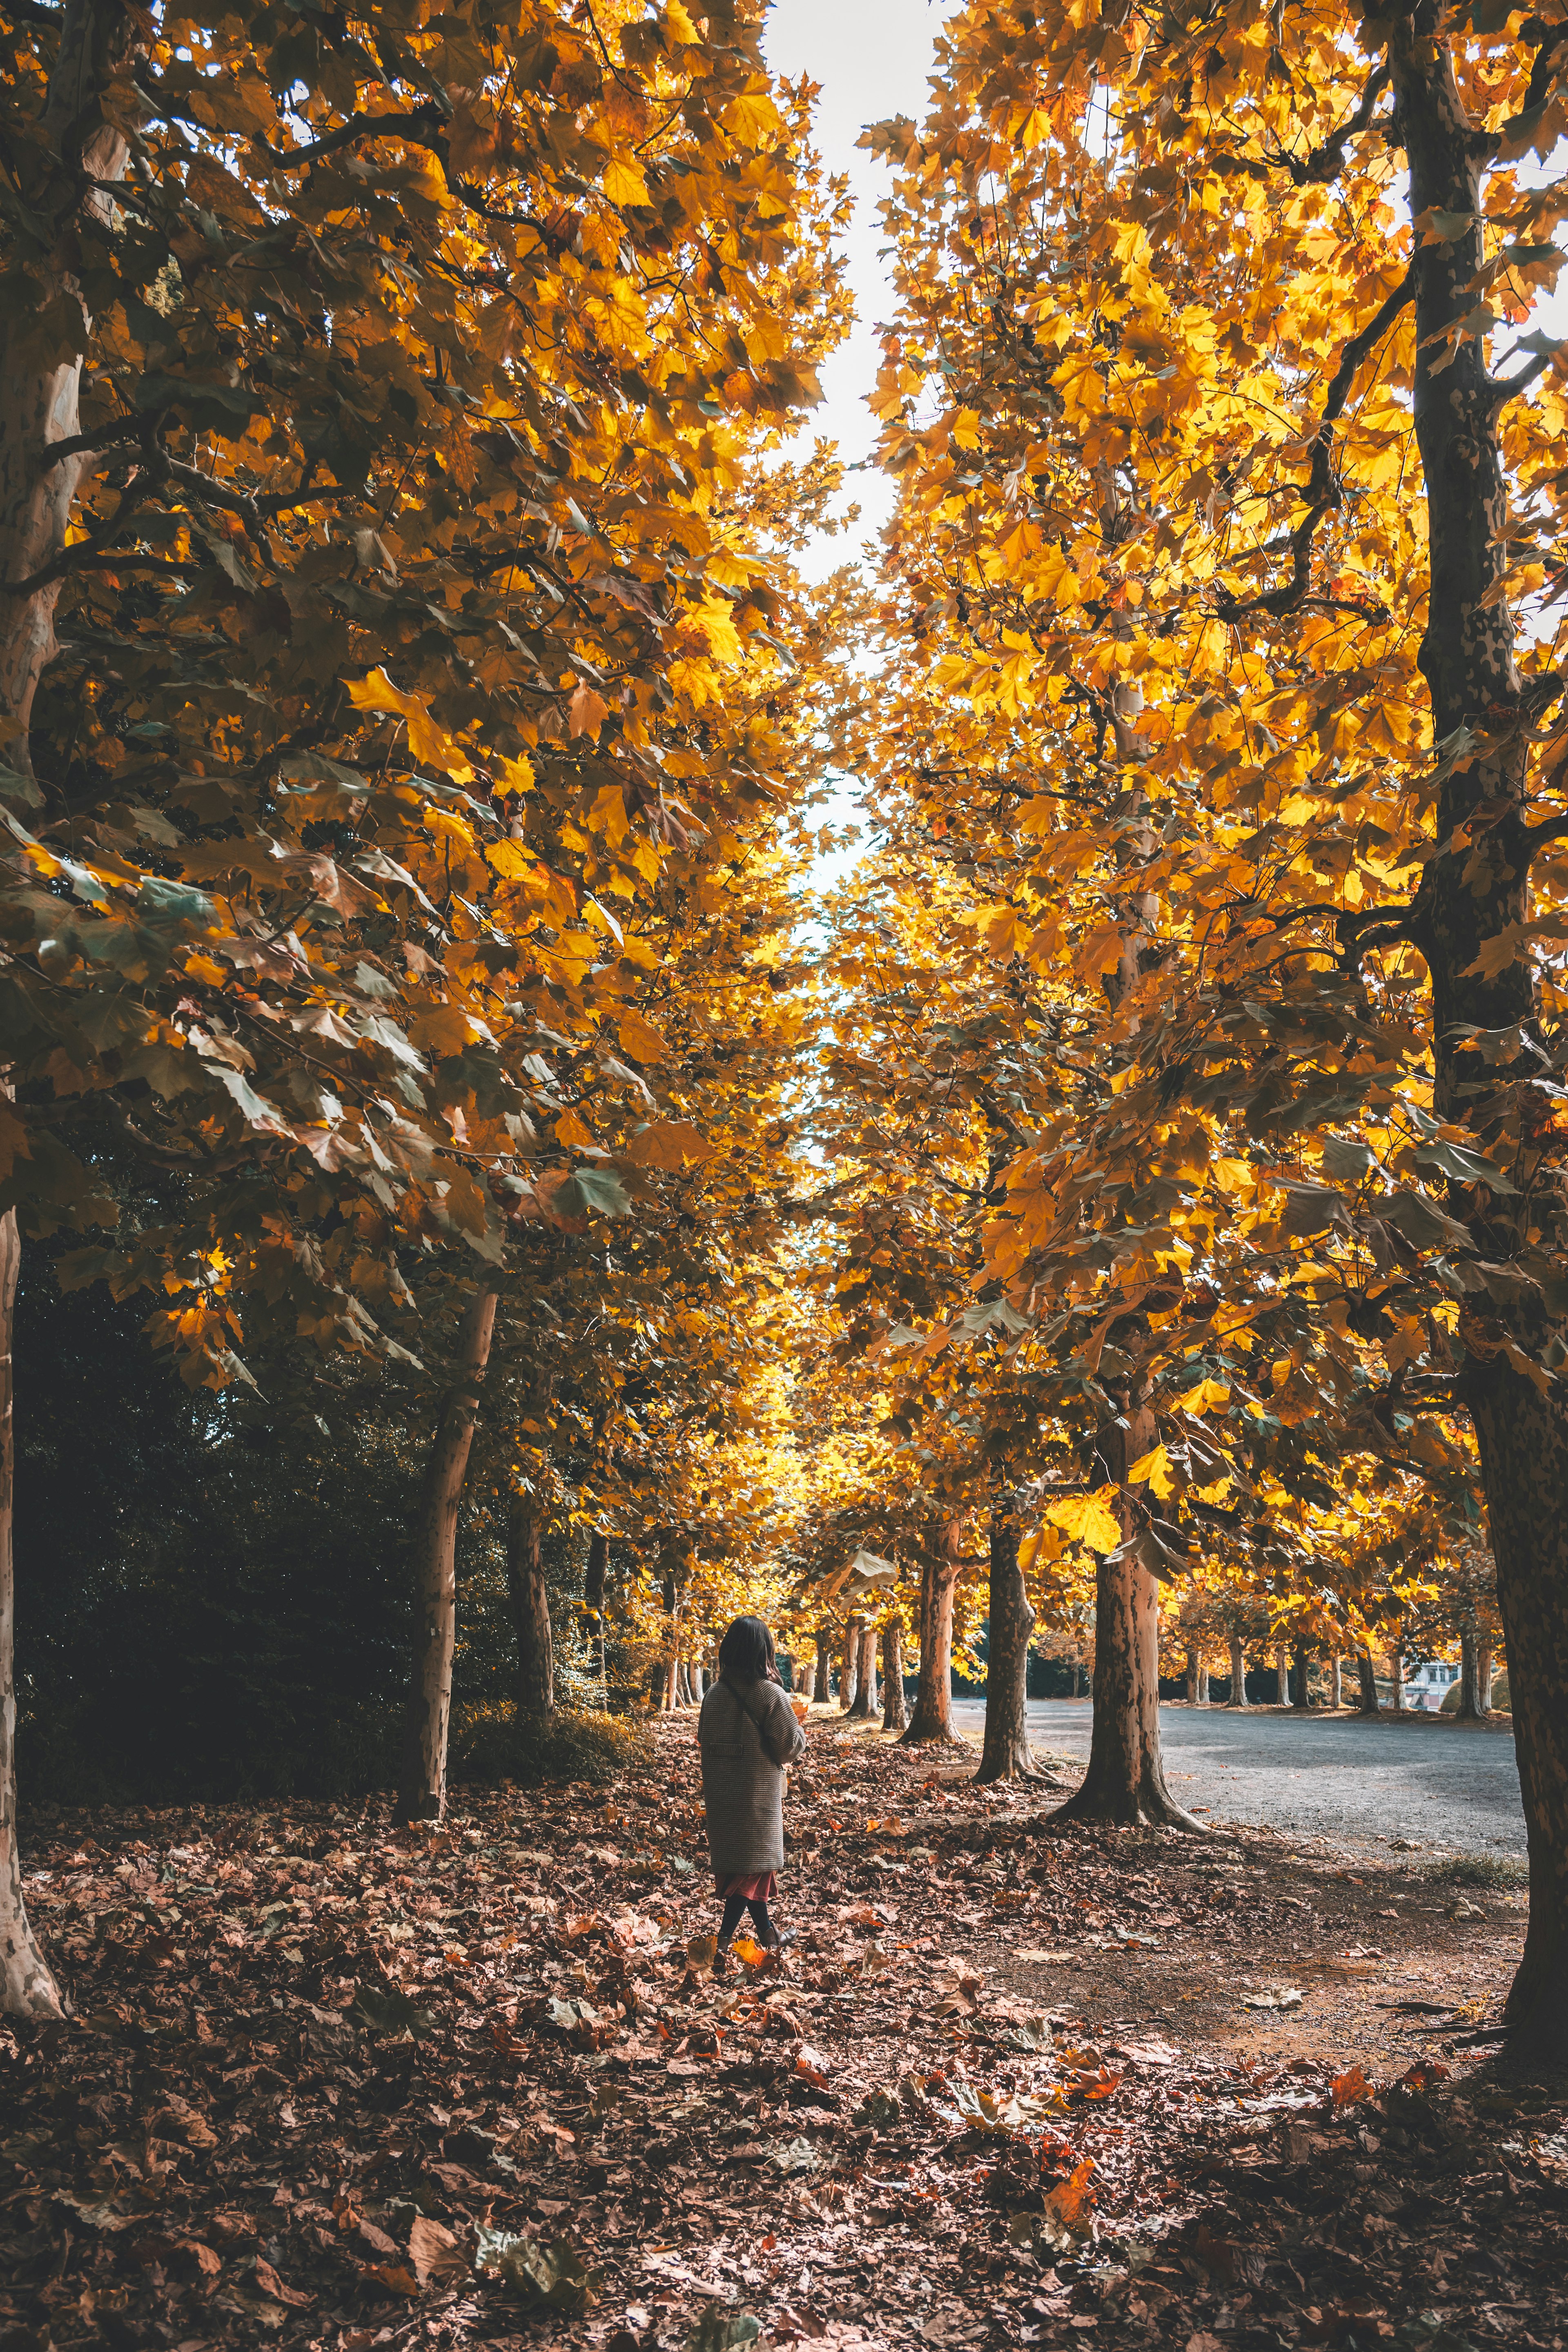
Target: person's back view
(747,1734)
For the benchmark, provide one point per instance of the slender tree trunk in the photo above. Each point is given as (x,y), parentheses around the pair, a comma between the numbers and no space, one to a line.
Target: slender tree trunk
(824,1664)
(850,1667)
(1077,1678)
(939,1569)
(1301,1695)
(1468,1708)
(1396,1669)
(1336,1682)
(1126,1778)
(1006,1754)
(1366,1677)
(1237,1673)
(595,1582)
(27,1988)
(865,1704)
(535,1686)
(423,1796)
(1203,1682)
(1281,1675)
(1191,1677)
(895,1713)
(1485,1662)
(808,1683)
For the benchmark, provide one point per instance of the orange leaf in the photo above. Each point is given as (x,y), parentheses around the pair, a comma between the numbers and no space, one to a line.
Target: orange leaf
(1071,2200)
(1348,2087)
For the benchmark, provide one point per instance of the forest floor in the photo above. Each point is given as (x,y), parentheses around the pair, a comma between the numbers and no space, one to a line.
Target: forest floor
(328,2084)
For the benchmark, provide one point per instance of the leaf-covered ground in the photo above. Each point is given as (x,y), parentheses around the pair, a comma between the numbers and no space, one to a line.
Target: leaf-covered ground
(332,2084)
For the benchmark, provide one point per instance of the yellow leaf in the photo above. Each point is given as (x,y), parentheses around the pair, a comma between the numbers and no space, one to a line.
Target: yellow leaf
(1210,1396)
(640,1038)
(1498,953)
(570,1131)
(586,711)
(1088,1519)
(672,1143)
(1154,1467)
(623,182)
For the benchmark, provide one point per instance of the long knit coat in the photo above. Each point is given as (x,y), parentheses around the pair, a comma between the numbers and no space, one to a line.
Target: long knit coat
(743,1775)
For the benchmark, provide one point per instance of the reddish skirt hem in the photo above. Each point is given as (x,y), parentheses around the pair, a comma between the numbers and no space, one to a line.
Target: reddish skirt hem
(754,1887)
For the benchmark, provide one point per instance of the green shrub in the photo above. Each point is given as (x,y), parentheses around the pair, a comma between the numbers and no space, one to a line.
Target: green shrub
(493,1746)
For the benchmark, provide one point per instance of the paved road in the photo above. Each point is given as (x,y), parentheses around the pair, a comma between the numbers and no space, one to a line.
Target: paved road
(1439,1786)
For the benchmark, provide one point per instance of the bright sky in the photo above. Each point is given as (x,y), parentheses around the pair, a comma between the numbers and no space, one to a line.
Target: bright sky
(871,59)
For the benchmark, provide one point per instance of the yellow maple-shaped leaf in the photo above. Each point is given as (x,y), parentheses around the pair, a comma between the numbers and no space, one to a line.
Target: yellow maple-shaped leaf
(1498,952)
(586,711)
(639,1037)
(623,182)
(514,864)
(1088,1519)
(429,742)
(672,1143)
(1208,1396)
(1154,1467)
(570,1131)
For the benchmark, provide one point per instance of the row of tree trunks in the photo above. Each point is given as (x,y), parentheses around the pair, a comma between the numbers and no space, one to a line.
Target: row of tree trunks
(423,1794)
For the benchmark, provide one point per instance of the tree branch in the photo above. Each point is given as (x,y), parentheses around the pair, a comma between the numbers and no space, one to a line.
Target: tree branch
(1323,491)
(1327,162)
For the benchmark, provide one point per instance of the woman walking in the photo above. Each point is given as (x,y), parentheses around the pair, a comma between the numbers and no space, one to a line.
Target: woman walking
(749,1733)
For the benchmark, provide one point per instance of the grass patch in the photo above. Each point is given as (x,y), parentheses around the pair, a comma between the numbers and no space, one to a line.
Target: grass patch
(569,1745)
(1481,1869)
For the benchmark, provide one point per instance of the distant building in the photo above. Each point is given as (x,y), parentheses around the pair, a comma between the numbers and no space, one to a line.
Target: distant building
(1428,1686)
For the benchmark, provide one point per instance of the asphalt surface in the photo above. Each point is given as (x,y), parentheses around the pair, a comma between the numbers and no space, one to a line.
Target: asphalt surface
(1420,1785)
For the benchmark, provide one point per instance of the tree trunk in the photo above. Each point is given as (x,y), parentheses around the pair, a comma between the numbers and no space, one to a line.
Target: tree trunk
(850,1667)
(39,401)
(1281,1675)
(1366,1674)
(1237,1673)
(1464,901)
(824,1664)
(1485,1662)
(808,1682)
(595,1582)
(865,1704)
(1192,1677)
(1203,1683)
(1006,1754)
(1077,1678)
(1396,1670)
(932,1718)
(1469,1710)
(1336,1682)
(423,1796)
(27,1988)
(1126,1778)
(895,1713)
(535,1686)
(1301,1695)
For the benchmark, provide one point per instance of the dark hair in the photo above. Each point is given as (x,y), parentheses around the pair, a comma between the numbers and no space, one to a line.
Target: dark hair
(746,1651)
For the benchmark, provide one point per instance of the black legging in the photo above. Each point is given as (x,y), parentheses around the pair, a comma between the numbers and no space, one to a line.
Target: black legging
(757,1905)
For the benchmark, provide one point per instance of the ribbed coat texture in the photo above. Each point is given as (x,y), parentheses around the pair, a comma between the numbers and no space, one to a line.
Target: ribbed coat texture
(743,1775)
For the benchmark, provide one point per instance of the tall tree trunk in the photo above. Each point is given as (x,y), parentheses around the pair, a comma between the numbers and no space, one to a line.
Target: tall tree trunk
(1077,1678)
(1006,1754)
(1464,901)
(1125,1782)
(1237,1673)
(1301,1695)
(1336,1682)
(535,1684)
(27,1989)
(1203,1682)
(423,1795)
(1367,1675)
(595,1582)
(865,1704)
(824,1664)
(850,1667)
(39,399)
(895,1712)
(1485,1664)
(939,1569)
(1281,1675)
(1468,1708)
(808,1688)
(1396,1671)
(1191,1677)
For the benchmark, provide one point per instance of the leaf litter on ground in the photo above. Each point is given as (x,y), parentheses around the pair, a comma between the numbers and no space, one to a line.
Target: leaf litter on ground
(329,2085)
